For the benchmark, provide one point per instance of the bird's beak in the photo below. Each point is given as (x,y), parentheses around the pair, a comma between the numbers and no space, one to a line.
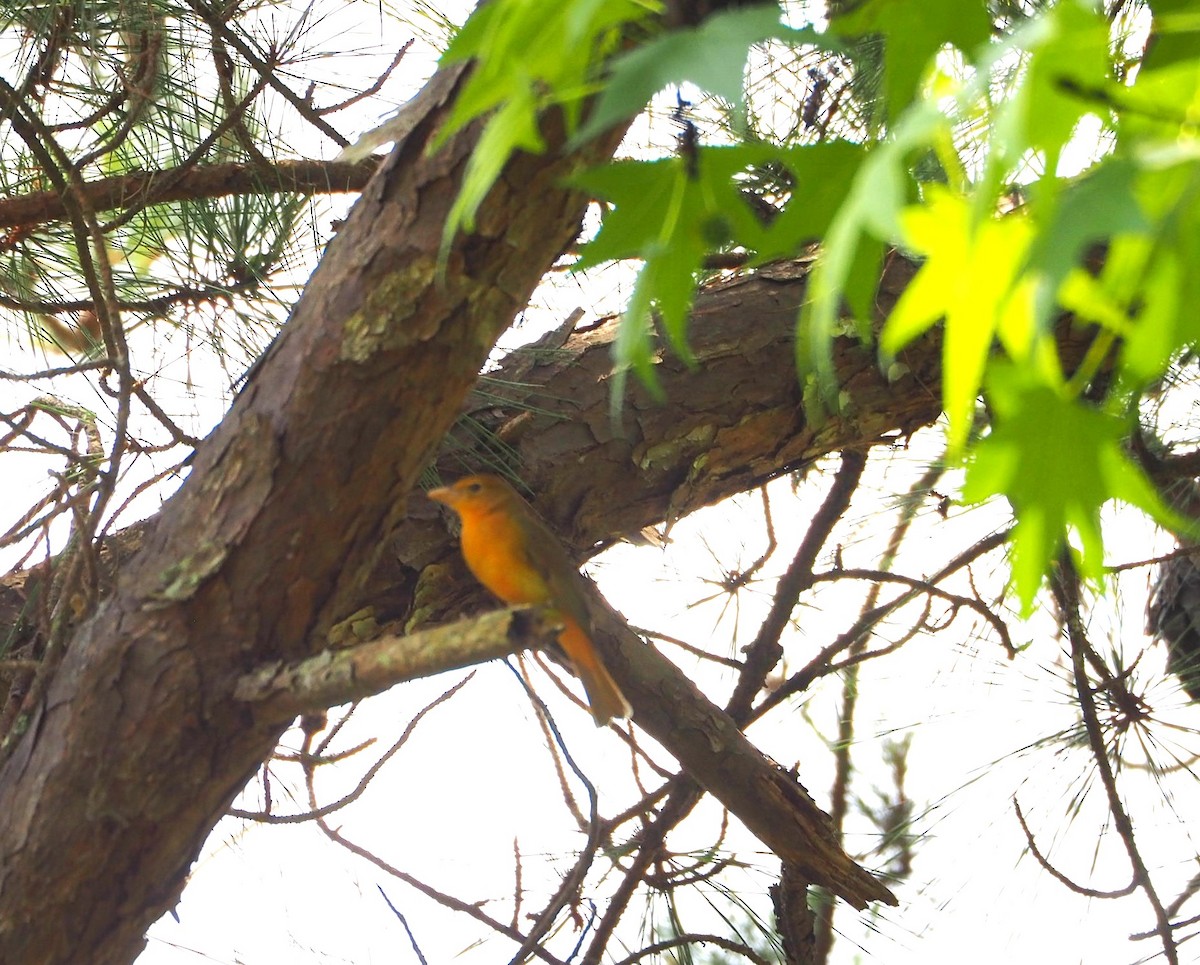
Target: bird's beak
(443,494)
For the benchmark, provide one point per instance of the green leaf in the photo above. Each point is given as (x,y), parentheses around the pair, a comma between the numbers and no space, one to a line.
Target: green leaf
(1176,34)
(634,348)
(519,45)
(1150,281)
(862,283)
(512,127)
(1093,208)
(822,175)
(914,31)
(712,56)
(1058,461)
(871,209)
(1159,103)
(528,54)
(670,213)
(969,280)
(1163,324)
(1068,75)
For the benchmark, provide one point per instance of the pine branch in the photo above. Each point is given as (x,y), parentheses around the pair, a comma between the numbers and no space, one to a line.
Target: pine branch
(307,177)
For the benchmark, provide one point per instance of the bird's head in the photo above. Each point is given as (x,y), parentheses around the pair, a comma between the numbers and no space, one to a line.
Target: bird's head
(475,494)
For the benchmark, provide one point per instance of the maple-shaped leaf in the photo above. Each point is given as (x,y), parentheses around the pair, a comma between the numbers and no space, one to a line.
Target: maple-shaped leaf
(821,177)
(1057,460)
(669,213)
(526,55)
(969,280)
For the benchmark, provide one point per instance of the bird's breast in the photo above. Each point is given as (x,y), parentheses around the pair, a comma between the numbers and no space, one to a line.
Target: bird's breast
(494,548)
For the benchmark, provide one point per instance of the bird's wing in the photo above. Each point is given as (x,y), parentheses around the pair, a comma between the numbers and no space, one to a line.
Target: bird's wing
(546,554)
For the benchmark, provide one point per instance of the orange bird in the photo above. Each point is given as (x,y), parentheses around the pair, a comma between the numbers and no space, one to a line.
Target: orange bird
(515,555)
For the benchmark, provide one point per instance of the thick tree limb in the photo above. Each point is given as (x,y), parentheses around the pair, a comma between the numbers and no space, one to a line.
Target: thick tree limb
(717,755)
(731,424)
(706,741)
(735,422)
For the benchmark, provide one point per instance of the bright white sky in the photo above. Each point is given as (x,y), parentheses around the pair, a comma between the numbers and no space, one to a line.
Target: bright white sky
(475,776)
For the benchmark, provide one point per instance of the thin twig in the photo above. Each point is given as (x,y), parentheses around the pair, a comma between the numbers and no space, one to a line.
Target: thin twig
(698,938)
(1191,550)
(156,410)
(371,91)
(55,372)
(317,813)
(412,939)
(765,651)
(551,747)
(1065,586)
(820,664)
(573,879)
(681,799)
(1058,875)
(698,652)
(517,886)
(956,600)
(306,110)
(470,909)
(164,183)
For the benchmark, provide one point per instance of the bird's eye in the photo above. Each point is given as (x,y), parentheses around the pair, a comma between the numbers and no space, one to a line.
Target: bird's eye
(474,487)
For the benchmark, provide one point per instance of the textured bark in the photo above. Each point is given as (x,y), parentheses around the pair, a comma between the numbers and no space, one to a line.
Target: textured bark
(770,802)
(735,421)
(793,918)
(339,675)
(708,744)
(725,427)
(140,744)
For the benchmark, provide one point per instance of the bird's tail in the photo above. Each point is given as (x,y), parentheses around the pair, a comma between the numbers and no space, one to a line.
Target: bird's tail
(604,696)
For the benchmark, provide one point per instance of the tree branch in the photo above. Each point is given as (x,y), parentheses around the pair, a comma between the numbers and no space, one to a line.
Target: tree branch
(765,651)
(770,802)
(338,676)
(198,181)
(1065,585)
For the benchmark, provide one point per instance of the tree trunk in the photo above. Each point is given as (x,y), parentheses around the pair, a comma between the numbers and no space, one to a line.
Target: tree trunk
(140,745)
